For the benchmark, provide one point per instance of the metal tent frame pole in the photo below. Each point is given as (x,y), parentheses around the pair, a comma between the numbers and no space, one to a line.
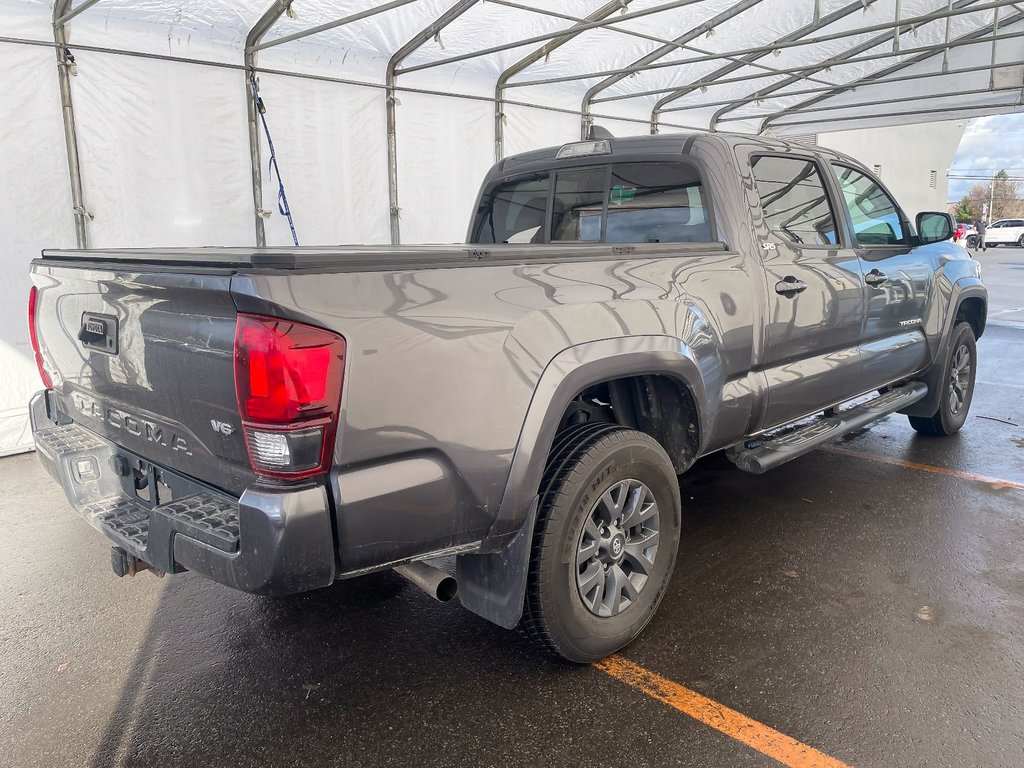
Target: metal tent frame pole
(62,13)
(611,27)
(391,75)
(549,36)
(750,58)
(260,46)
(252,40)
(863,84)
(876,78)
(876,41)
(915,21)
(585,117)
(953,112)
(879,102)
(532,58)
(69,13)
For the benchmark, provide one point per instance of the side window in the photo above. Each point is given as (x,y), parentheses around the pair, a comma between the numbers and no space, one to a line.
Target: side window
(876,219)
(515,212)
(656,203)
(579,205)
(793,199)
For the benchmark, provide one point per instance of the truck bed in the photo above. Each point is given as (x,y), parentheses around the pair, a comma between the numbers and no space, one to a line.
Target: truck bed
(374,258)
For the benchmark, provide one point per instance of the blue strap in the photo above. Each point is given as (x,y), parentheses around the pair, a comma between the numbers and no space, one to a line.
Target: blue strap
(282,198)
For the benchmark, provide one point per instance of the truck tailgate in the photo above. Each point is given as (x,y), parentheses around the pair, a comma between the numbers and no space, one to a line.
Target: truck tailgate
(144,356)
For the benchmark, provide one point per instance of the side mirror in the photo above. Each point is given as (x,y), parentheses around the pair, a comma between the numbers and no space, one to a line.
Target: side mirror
(934,227)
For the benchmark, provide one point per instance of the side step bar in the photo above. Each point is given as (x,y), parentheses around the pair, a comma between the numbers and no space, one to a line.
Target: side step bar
(771,450)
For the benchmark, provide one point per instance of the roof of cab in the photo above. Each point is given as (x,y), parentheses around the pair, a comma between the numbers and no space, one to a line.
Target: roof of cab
(667,144)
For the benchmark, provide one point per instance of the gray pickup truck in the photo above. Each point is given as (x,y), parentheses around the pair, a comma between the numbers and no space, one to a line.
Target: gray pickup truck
(276,419)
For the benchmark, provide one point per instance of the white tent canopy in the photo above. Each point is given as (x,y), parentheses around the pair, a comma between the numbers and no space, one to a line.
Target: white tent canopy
(130,122)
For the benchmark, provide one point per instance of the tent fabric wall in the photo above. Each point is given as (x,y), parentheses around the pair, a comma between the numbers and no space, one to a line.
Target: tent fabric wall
(35,205)
(164,143)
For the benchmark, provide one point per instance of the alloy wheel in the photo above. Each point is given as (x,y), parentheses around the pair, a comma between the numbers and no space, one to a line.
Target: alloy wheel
(959,379)
(617,548)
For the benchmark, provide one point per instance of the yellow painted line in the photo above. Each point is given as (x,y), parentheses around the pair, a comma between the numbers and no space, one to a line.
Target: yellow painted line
(994,481)
(755,735)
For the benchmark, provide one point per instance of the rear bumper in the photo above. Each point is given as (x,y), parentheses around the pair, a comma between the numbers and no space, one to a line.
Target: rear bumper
(273,540)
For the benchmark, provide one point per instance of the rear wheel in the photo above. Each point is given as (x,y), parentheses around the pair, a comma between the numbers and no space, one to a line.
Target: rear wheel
(1020,242)
(957,384)
(605,543)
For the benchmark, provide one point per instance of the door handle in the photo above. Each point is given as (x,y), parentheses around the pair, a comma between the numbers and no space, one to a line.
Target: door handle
(790,286)
(875,278)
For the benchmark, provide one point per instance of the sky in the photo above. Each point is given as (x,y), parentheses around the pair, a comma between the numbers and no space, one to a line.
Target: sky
(990,144)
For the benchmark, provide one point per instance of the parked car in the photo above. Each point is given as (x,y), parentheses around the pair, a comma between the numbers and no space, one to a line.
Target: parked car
(1005,232)
(279,418)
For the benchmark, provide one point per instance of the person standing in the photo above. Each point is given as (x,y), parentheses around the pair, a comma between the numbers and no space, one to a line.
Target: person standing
(980,226)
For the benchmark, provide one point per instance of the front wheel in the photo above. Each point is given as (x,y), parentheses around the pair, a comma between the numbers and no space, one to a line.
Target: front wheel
(1020,242)
(957,384)
(604,545)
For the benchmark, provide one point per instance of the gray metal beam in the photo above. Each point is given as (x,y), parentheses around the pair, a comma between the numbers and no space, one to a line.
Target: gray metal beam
(839,58)
(750,58)
(390,77)
(876,102)
(978,35)
(64,64)
(907,22)
(909,113)
(610,27)
(657,53)
(252,40)
(806,91)
(548,36)
(929,49)
(70,12)
(332,24)
(320,78)
(545,50)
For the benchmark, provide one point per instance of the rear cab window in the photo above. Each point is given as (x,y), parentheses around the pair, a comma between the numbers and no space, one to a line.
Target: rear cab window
(638,202)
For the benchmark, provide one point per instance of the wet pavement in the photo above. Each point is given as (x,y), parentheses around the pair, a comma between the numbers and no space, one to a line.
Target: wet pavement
(872,610)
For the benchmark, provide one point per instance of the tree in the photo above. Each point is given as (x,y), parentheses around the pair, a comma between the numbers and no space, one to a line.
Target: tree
(972,204)
(1006,202)
(1005,196)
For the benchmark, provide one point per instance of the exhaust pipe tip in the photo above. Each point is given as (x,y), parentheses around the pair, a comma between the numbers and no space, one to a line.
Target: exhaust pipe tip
(447,589)
(439,584)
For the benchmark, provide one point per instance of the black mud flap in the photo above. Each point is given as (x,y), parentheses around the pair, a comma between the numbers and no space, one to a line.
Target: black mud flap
(493,586)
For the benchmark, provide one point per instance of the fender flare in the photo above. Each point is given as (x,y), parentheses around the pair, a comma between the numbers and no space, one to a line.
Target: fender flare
(492,582)
(966,287)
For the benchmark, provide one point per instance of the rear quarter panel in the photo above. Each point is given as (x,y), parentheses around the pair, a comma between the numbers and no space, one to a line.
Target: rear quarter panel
(442,365)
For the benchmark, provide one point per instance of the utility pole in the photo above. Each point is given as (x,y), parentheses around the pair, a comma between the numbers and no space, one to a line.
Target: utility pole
(991,199)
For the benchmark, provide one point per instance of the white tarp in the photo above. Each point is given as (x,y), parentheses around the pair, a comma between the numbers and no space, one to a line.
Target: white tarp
(164,142)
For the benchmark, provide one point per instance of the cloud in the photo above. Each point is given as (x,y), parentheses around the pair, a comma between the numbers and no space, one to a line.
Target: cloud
(990,144)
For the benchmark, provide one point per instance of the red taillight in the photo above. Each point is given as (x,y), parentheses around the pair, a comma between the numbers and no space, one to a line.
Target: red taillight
(33,334)
(288,378)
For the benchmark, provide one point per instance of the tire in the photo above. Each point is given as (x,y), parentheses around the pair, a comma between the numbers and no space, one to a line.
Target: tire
(587,594)
(958,375)
(1020,242)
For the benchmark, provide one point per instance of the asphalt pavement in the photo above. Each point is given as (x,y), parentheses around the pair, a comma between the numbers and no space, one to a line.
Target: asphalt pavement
(866,601)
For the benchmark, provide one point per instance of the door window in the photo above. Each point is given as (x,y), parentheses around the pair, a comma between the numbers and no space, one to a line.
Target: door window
(876,219)
(516,212)
(794,201)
